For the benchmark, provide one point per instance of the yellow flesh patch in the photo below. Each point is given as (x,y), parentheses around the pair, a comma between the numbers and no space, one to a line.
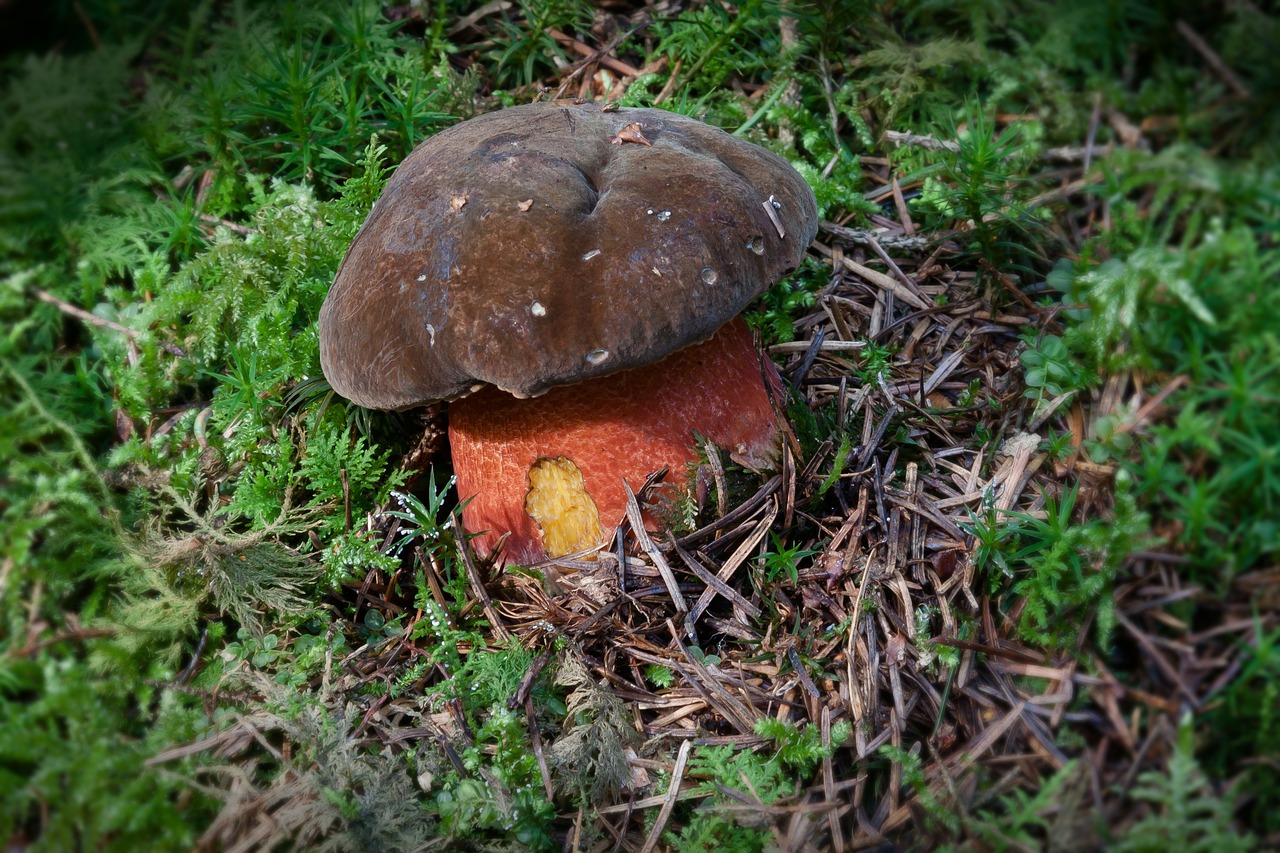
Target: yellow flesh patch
(559,503)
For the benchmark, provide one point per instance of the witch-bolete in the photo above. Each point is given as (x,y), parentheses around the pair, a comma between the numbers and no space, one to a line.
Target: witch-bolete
(569,276)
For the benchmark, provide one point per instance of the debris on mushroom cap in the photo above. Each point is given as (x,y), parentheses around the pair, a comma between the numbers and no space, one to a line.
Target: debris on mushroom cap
(434,295)
(631,133)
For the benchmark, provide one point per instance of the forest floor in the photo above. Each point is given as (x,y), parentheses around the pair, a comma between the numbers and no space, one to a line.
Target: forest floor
(1011,587)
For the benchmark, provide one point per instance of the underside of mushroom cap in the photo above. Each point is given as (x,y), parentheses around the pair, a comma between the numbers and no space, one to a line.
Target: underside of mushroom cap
(550,243)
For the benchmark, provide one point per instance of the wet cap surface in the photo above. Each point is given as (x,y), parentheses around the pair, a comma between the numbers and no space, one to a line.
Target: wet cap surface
(537,246)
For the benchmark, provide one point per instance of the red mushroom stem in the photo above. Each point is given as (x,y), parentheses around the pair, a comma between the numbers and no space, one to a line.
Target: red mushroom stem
(510,455)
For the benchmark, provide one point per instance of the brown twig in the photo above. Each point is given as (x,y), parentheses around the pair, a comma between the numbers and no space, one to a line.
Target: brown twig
(94,320)
(1215,61)
(476,583)
(669,803)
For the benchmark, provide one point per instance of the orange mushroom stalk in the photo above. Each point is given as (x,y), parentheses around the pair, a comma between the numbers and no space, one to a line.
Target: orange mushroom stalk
(550,470)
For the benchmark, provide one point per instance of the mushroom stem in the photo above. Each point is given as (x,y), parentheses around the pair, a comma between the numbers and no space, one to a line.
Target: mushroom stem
(623,426)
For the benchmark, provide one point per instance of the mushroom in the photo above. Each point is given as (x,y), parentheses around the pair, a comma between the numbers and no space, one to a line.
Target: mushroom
(569,277)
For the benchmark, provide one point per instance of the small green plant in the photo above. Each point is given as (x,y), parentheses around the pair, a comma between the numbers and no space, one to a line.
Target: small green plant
(512,800)
(773,315)
(1057,565)
(977,184)
(73,746)
(765,780)
(1015,821)
(717,39)
(782,563)
(1186,812)
(590,756)
(877,360)
(659,676)
(1049,370)
(422,520)
(1122,294)
(1244,716)
(345,471)
(526,45)
(802,748)
(1023,820)
(838,463)
(991,541)
(940,816)
(1057,444)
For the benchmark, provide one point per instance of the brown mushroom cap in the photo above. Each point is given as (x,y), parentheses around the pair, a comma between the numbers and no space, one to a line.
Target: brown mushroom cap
(525,249)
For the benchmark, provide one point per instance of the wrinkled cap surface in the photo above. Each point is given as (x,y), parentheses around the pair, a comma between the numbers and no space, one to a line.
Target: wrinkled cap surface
(525,249)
